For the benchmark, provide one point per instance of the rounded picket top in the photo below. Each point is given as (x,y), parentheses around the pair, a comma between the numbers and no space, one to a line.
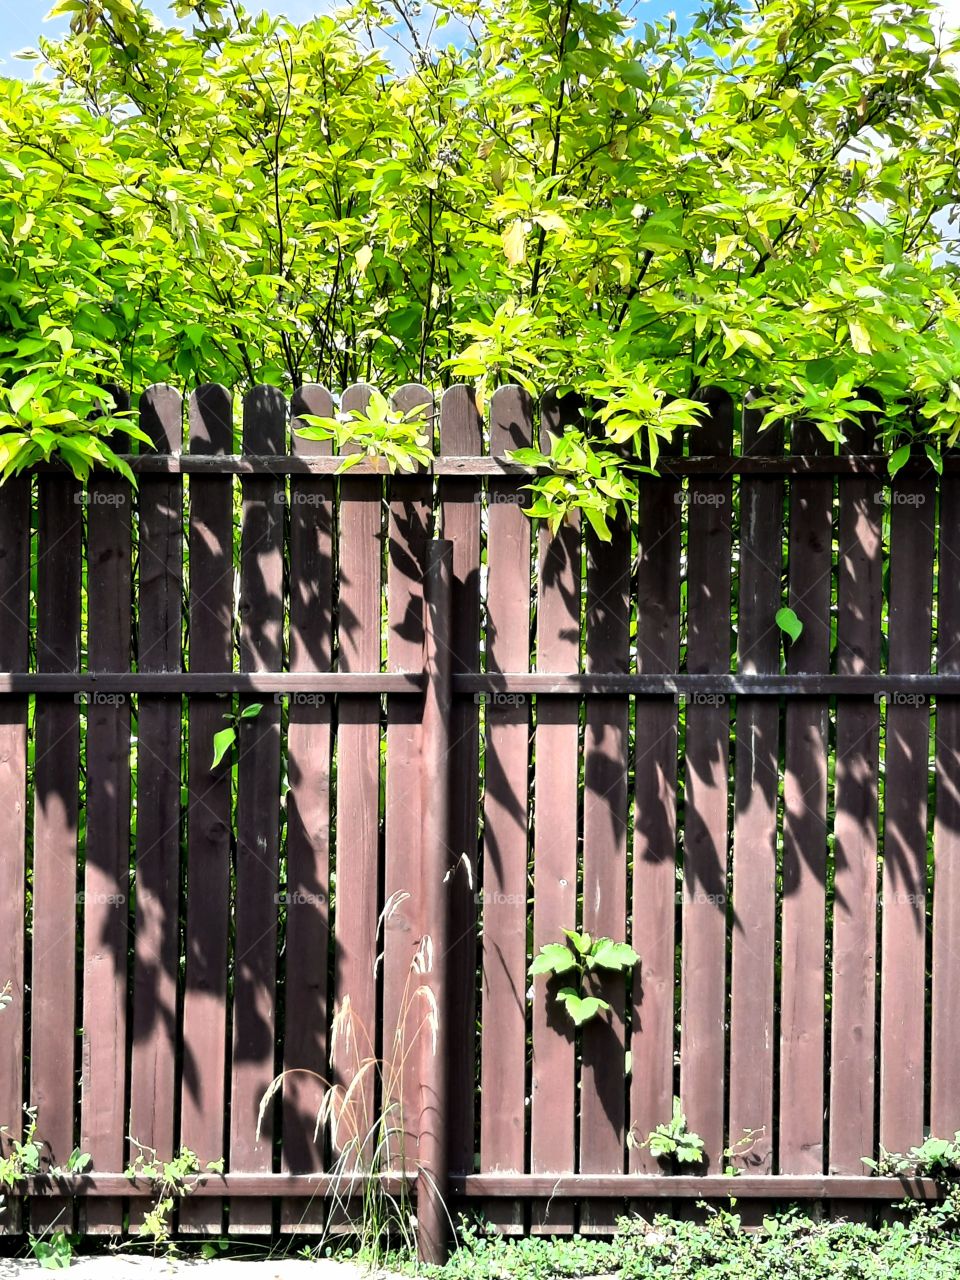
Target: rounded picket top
(461,422)
(862,432)
(161,417)
(757,439)
(411,396)
(559,412)
(316,399)
(714,434)
(511,419)
(265,420)
(210,419)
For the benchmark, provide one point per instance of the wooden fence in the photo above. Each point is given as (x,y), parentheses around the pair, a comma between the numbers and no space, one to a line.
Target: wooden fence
(600,734)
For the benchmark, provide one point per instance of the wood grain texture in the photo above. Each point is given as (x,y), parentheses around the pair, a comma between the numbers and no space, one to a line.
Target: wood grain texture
(460,507)
(703,953)
(107,867)
(209,817)
(903,940)
(605,810)
(654,888)
(803,917)
(945,1026)
(14,653)
(258,813)
(358,868)
(505,825)
(408,529)
(309,748)
(53,1011)
(157,899)
(555,871)
(860,603)
(756,790)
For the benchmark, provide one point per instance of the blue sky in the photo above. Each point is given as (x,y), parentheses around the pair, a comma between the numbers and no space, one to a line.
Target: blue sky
(21,21)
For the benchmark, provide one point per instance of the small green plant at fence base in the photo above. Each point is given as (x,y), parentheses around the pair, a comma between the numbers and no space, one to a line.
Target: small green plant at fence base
(24,1160)
(672,1143)
(53,1253)
(25,1156)
(582,955)
(170,1181)
(738,1155)
(224,739)
(370,1141)
(937,1158)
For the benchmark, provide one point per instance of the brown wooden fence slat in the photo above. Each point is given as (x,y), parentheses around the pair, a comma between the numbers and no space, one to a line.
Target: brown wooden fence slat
(357,903)
(408,530)
(460,505)
(209,816)
(503,1013)
(853,999)
(57,743)
(903,942)
(157,886)
(945,1025)
(654,888)
(605,803)
(756,788)
(557,756)
(309,744)
(258,811)
(703,952)
(107,865)
(803,919)
(14,655)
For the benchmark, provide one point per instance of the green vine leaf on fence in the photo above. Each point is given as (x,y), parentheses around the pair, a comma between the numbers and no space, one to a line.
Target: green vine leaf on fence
(580,1008)
(224,739)
(222,742)
(608,954)
(788,622)
(553,958)
(582,954)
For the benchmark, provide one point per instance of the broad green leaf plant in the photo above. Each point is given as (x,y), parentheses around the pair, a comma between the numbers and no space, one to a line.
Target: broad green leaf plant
(545,193)
(673,1144)
(574,961)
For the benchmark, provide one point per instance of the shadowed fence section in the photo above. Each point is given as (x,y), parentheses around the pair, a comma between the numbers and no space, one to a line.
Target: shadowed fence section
(240,786)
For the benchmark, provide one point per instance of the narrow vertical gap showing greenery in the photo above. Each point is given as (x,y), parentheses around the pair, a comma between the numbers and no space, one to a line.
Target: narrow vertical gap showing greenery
(931,877)
(737,447)
(681,790)
(780,827)
(830,865)
(283,502)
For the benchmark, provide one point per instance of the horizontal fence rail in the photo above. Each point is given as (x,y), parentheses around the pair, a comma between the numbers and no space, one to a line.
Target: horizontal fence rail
(481,467)
(537,684)
(482,1186)
(256,778)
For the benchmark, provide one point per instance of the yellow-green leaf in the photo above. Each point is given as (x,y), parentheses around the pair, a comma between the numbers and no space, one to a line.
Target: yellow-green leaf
(514,241)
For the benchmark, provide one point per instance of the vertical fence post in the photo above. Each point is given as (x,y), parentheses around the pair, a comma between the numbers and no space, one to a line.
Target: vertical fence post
(433,1162)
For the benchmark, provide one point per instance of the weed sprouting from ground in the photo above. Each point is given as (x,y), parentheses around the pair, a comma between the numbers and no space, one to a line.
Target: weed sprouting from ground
(362,1114)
